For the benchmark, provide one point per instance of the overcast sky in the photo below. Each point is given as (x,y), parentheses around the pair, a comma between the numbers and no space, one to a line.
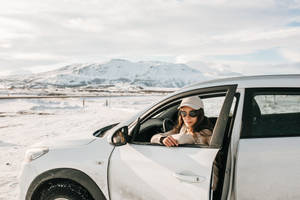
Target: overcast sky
(217,36)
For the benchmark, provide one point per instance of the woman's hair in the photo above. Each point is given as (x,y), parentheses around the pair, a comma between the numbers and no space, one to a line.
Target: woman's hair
(202,122)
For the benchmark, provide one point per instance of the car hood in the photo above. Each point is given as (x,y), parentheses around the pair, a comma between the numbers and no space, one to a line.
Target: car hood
(64,142)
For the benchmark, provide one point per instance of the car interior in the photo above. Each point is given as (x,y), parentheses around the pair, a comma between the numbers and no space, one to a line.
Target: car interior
(161,122)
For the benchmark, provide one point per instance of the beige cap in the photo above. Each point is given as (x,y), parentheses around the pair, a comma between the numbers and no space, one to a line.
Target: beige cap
(193,102)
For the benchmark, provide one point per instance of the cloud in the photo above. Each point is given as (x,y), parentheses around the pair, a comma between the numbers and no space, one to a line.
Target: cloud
(5,44)
(85,25)
(214,70)
(290,4)
(43,33)
(257,35)
(11,63)
(293,55)
(36,56)
(294,23)
(20,72)
(222,69)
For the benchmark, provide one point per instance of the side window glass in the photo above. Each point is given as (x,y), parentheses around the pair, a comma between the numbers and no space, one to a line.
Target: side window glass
(275,115)
(278,104)
(213,106)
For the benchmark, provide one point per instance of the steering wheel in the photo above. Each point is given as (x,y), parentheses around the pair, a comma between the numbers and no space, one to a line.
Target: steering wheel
(168,124)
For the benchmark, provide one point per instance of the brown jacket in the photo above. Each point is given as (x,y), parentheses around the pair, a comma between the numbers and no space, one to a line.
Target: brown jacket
(183,137)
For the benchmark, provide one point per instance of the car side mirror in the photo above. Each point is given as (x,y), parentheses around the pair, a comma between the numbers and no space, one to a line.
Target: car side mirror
(120,136)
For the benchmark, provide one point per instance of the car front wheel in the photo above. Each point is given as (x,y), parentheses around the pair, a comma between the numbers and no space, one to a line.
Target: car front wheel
(65,191)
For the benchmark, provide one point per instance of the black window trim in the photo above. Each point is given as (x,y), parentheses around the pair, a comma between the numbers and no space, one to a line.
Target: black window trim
(177,97)
(228,90)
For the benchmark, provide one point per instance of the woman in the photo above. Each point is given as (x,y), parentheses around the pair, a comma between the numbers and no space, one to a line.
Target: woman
(192,127)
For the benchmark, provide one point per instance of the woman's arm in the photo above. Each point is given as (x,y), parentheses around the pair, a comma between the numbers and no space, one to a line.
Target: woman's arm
(204,136)
(157,137)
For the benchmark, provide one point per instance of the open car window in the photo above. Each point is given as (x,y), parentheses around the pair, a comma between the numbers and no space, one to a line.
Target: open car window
(156,123)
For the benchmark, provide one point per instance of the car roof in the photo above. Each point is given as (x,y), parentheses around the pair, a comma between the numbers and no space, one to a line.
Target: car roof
(261,81)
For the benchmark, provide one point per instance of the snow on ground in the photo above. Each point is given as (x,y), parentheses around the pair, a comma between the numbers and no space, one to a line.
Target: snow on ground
(24,122)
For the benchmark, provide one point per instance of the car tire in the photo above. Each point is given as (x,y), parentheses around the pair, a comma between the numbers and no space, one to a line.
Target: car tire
(65,191)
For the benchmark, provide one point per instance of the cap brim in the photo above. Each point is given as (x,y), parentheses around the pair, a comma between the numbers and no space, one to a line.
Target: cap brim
(189,105)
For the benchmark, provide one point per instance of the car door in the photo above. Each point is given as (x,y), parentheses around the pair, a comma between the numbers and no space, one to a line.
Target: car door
(268,161)
(148,171)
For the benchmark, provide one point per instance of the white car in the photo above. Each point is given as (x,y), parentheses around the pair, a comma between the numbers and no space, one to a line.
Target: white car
(255,144)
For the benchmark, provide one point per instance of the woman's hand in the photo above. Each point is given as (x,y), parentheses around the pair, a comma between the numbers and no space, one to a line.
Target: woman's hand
(170,141)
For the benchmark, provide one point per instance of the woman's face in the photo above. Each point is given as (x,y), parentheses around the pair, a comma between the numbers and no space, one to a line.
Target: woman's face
(187,119)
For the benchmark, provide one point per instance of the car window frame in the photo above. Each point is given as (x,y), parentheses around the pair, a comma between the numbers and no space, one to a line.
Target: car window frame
(221,123)
(250,93)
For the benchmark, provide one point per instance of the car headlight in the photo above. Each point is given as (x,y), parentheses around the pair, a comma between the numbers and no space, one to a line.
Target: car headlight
(35,153)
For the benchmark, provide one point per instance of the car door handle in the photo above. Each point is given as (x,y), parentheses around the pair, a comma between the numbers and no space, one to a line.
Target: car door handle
(189,178)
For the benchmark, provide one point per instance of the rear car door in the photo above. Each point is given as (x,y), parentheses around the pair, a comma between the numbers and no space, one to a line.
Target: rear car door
(268,163)
(140,170)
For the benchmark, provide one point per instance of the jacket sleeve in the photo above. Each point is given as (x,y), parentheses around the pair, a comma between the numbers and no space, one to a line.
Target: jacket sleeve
(155,138)
(207,135)
(204,136)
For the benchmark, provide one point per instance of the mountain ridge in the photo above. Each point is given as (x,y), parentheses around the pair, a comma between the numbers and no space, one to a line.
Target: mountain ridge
(115,72)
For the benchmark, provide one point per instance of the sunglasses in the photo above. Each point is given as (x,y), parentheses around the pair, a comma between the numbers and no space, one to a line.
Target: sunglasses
(193,113)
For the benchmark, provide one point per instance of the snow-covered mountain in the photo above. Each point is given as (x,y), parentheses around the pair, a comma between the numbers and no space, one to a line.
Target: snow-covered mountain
(114,72)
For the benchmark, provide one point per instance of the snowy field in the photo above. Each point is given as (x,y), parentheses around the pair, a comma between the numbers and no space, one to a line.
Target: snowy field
(24,122)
